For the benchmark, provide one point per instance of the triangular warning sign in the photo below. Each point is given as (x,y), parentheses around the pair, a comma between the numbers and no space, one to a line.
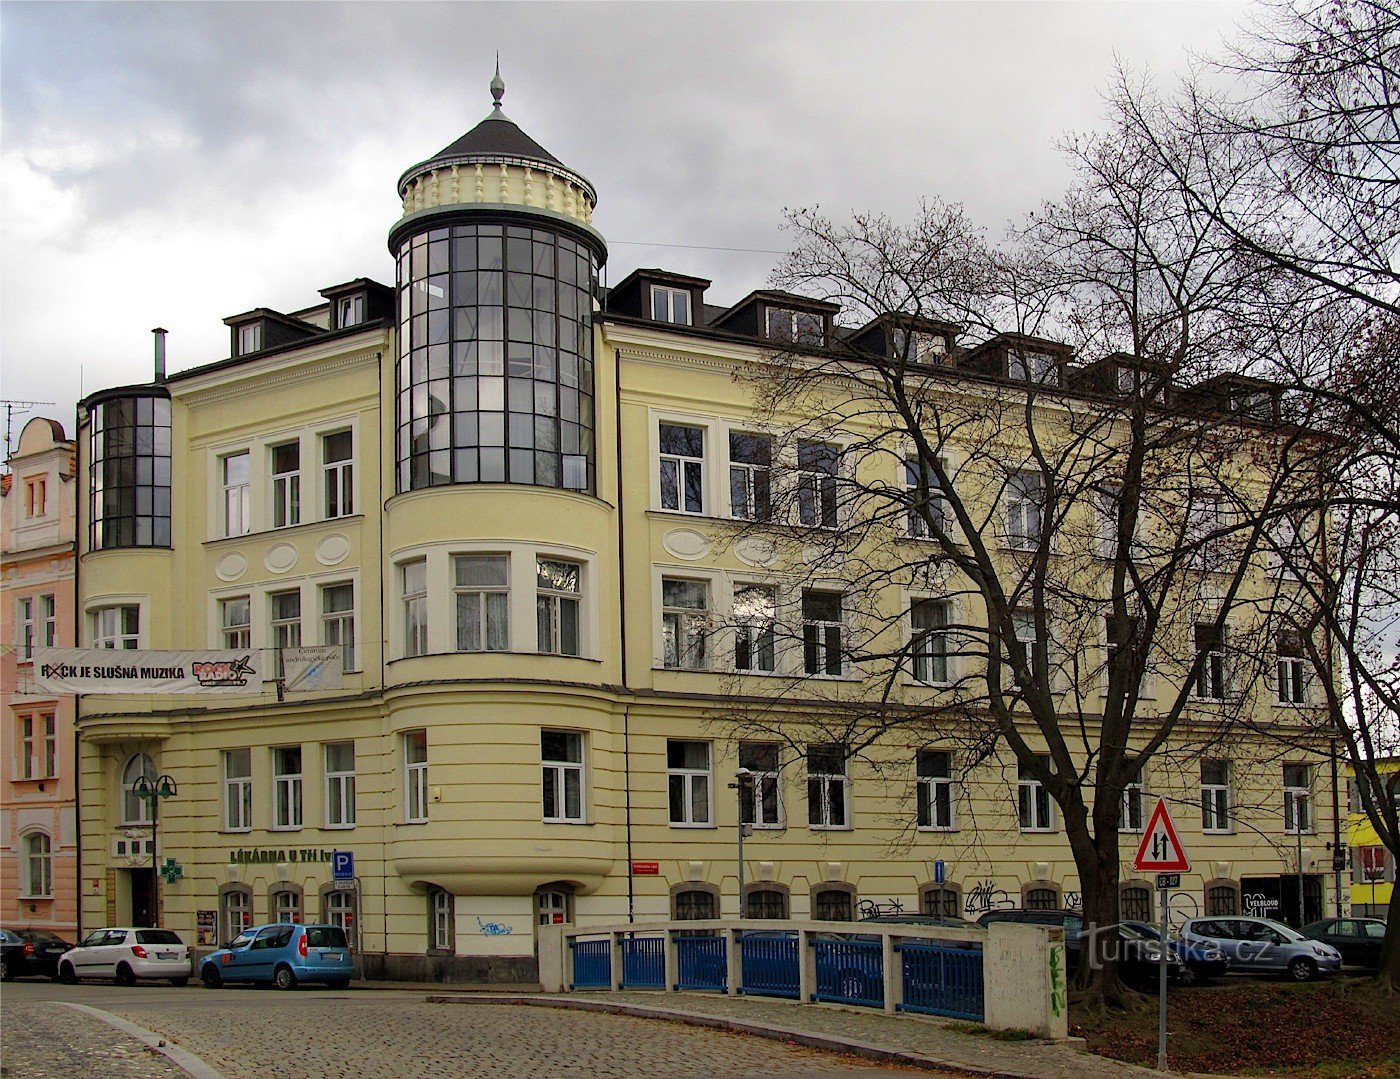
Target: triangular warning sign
(1160,850)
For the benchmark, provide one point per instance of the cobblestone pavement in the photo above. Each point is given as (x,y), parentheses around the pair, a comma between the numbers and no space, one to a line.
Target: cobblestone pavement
(43,1039)
(377,1035)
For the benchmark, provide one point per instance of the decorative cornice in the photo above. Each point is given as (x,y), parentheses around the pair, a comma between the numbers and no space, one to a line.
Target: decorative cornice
(289,368)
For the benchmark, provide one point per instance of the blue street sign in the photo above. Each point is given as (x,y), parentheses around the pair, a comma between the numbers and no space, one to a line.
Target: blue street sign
(940,871)
(342,865)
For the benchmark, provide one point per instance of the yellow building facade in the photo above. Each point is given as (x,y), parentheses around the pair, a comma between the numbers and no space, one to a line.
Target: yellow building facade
(1372,866)
(505,494)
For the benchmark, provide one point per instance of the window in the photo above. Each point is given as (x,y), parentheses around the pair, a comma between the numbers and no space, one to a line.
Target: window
(1119,634)
(755,615)
(940,901)
(286,905)
(682,468)
(1222,901)
(116,627)
(817,465)
(238,790)
(1026,647)
(562,755)
(918,347)
(1033,800)
(38,866)
(1297,798)
(800,327)
(1037,367)
(765,903)
(441,921)
(1292,687)
(339,910)
(1286,552)
(26,627)
(236,622)
(554,904)
(236,910)
(350,310)
(235,469)
(1135,903)
(760,799)
(35,496)
(934,774)
(688,782)
(1210,674)
(286,786)
(1215,796)
(415,776)
(135,809)
(1025,500)
(1205,532)
(338,621)
(1041,899)
(1130,808)
(338,473)
(670,305)
(340,785)
(483,602)
(249,338)
(695,905)
(38,747)
(557,607)
(286,485)
(286,623)
(828,787)
(821,632)
(38,624)
(930,645)
(925,499)
(833,905)
(750,476)
(414,584)
(1107,505)
(684,622)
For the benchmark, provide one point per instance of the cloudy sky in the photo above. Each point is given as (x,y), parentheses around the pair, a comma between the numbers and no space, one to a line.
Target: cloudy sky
(171,164)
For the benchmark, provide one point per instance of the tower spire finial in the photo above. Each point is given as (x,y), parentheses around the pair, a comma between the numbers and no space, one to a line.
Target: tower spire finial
(498,86)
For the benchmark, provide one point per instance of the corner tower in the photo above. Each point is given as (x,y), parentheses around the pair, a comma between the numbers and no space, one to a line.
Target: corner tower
(497,269)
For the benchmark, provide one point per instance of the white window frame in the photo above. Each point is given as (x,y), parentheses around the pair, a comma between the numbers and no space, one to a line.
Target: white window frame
(1131,817)
(350,310)
(237,792)
(1037,368)
(553,600)
(26,621)
(284,630)
(1291,791)
(287,789)
(555,775)
(915,527)
(286,486)
(338,626)
(130,800)
(683,464)
(250,338)
(833,793)
(37,864)
(745,476)
(1207,517)
(670,298)
(440,910)
(683,648)
(688,779)
(1291,670)
(415,776)
(789,323)
(1031,794)
(236,507)
(414,607)
(340,787)
(483,595)
(819,490)
(47,619)
(28,759)
(36,496)
(337,477)
(815,635)
(286,906)
(929,787)
(923,659)
(109,629)
(752,631)
(236,635)
(1024,508)
(1212,681)
(758,783)
(1215,801)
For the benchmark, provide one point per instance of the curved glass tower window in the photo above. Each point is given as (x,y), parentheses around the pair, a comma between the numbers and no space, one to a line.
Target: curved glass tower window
(495,357)
(129,472)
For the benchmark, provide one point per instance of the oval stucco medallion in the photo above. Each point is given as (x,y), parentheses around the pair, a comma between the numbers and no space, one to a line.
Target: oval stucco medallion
(231,567)
(686,543)
(332,549)
(754,550)
(280,557)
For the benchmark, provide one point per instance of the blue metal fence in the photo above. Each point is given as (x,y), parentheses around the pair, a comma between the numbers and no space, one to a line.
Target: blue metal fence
(942,980)
(849,971)
(644,962)
(592,964)
(702,963)
(768,965)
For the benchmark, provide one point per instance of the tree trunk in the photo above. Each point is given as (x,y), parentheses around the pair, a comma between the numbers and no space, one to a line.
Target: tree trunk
(1098,984)
(1389,974)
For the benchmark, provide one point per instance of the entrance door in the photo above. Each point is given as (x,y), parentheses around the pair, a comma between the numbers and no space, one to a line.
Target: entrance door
(143,896)
(1312,899)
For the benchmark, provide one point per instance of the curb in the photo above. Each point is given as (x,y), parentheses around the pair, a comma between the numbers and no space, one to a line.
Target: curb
(181,1058)
(829,1043)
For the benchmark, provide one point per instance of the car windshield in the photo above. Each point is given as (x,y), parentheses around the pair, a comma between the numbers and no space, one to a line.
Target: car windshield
(242,940)
(1287,932)
(157,936)
(325,936)
(36,935)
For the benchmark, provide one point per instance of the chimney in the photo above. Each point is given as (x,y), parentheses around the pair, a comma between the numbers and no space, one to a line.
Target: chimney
(160,354)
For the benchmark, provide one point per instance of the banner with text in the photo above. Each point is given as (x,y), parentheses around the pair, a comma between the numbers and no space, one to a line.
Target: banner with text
(312,667)
(146,671)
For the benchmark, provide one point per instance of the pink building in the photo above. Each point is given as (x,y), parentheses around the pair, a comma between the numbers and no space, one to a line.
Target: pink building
(38,818)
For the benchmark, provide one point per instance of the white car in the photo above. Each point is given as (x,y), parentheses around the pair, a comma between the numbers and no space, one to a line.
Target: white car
(125,955)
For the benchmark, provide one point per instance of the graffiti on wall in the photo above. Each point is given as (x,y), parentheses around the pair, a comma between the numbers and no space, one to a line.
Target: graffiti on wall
(492,929)
(1074,901)
(870,909)
(984,897)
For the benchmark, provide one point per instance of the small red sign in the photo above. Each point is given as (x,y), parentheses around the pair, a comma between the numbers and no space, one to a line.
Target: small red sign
(646,869)
(1160,850)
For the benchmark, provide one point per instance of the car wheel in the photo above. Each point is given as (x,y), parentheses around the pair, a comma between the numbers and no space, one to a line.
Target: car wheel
(6,974)
(66,974)
(179,983)
(283,978)
(1302,969)
(210,977)
(125,975)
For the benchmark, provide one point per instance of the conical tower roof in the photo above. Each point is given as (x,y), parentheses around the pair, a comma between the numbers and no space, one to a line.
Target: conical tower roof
(495,136)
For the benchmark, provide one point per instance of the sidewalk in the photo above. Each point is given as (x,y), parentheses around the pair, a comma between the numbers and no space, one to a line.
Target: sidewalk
(945,1045)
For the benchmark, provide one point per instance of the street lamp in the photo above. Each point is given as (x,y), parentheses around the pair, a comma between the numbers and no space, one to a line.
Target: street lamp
(743,782)
(153,791)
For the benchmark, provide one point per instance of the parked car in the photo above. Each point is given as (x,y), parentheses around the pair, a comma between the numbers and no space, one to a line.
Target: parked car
(1140,958)
(1071,921)
(1199,962)
(282,954)
(1358,939)
(1258,945)
(126,955)
(27,952)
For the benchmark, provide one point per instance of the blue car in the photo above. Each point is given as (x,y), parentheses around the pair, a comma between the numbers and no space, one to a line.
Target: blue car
(1200,962)
(282,954)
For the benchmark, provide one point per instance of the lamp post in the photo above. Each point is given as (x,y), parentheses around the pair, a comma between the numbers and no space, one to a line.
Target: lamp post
(743,782)
(153,791)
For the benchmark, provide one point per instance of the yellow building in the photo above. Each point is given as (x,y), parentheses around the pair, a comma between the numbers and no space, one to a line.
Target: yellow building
(506,494)
(1372,866)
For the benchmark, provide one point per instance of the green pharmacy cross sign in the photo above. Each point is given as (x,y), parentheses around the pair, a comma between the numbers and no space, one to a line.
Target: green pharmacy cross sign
(170,869)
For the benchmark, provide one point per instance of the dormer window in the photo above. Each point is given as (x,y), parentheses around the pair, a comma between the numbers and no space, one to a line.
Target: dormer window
(1131,381)
(670,305)
(1037,367)
(1252,403)
(35,496)
(350,310)
(250,338)
(799,327)
(919,347)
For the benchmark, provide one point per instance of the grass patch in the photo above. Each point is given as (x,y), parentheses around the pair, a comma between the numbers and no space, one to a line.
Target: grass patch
(1013,1035)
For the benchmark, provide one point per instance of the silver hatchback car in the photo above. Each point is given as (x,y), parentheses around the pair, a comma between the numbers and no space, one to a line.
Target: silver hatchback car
(1265,946)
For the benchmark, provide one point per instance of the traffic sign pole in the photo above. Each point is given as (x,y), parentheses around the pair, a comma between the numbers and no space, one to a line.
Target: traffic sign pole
(1162,980)
(1161,852)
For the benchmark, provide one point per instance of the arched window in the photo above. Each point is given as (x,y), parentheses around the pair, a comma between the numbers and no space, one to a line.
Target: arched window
(1040,897)
(286,903)
(695,905)
(940,900)
(554,904)
(338,908)
(135,809)
(766,901)
(1222,898)
(1134,902)
(235,910)
(442,921)
(833,905)
(38,866)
